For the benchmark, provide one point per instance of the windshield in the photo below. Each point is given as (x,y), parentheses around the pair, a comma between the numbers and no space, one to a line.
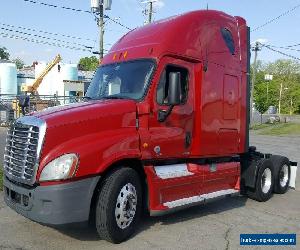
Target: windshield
(126,80)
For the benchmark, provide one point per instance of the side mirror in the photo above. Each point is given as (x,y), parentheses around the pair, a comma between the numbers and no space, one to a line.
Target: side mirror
(173,95)
(174,88)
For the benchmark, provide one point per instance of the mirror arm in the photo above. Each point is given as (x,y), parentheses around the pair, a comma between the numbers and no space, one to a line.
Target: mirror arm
(163,114)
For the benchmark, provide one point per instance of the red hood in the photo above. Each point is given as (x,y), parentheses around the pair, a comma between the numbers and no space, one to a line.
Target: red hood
(85,111)
(72,121)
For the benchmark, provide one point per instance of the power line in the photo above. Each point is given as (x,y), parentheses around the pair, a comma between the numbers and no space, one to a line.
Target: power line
(286,48)
(276,18)
(47,32)
(74,10)
(117,22)
(45,37)
(282,53)
(17,37)
(289,46)
(56,6)
(294,45)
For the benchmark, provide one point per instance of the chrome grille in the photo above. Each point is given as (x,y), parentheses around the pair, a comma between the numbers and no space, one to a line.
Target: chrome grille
(23,145)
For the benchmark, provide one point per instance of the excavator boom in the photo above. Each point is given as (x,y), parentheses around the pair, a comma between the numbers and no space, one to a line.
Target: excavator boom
(33,88)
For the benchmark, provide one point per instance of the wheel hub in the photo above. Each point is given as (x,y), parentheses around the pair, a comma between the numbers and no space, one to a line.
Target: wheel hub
(284,175)
(266,181)
(126,206)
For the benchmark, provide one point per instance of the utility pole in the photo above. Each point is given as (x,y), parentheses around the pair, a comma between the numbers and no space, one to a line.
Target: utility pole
(101,27)
(291,107)
(150,12)
(268,78)
(97,8)
(280,97)
(256,48)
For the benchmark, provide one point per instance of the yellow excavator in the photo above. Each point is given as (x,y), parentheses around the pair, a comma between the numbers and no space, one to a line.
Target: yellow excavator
(36,103)
(37,82)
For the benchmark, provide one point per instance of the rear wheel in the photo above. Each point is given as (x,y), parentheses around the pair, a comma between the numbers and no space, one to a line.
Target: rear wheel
(282,173)
(119,205)
(264,182)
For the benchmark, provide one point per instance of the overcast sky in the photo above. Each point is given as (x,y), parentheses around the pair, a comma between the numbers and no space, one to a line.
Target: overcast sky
(21,13)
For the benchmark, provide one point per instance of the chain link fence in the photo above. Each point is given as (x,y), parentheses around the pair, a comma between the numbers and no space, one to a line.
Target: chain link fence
(11,108)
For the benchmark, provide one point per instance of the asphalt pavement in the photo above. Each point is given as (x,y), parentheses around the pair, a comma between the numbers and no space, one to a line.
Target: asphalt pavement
(216,225)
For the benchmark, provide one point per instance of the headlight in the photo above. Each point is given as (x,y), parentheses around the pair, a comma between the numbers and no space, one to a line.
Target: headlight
(61,168)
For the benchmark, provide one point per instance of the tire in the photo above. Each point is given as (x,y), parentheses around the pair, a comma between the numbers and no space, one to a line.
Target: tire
(282,173)
(264,182)
(120,190)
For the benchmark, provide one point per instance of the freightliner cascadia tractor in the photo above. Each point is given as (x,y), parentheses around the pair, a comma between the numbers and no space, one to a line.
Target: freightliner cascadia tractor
(164,125)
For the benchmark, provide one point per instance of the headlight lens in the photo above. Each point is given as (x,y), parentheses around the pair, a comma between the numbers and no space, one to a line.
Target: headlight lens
(61,168)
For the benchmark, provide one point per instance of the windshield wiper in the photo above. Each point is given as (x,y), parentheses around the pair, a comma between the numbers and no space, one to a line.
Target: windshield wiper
(115,97)
(86,98)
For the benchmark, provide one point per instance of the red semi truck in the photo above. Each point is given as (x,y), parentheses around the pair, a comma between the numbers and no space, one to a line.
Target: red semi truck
(164,125)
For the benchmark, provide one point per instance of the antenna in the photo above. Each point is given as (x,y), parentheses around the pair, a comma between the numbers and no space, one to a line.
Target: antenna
(207,6)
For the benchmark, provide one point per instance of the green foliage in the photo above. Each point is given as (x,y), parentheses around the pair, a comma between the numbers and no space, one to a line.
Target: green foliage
(4,55)
(19,63)
(285,72)
(88,63)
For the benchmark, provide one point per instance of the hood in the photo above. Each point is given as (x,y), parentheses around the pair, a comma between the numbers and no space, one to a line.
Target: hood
(85,111)
(66,123)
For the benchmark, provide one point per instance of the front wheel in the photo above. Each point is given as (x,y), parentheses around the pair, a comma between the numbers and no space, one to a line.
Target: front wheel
(119,205)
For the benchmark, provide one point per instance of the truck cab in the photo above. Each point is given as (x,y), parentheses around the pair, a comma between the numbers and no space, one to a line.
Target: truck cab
(163,126)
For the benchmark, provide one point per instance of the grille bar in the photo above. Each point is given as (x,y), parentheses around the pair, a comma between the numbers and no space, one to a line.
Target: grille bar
(14,136)
(23,146)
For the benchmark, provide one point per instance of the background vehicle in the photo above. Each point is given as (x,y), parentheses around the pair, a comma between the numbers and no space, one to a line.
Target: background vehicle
(164,127)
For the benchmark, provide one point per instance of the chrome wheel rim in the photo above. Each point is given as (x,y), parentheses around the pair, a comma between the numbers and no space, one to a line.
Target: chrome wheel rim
(284,175)
(266,181)
(126,206)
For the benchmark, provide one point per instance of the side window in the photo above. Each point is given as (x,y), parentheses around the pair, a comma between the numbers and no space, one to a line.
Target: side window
(163,85)
(227,36)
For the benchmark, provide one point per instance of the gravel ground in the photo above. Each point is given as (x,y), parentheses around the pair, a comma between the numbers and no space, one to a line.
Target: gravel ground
(216,225)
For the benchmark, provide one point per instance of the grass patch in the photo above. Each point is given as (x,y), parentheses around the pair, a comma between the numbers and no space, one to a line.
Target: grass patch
(259,126)
(277,129)
(1,178)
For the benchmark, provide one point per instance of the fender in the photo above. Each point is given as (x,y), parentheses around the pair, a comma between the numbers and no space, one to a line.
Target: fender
(249,173)
(97,151)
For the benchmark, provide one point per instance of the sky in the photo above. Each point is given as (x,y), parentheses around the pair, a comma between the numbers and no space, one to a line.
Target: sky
(22,13)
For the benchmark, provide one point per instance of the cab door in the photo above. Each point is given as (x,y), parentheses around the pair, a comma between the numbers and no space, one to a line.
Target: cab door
(172,137)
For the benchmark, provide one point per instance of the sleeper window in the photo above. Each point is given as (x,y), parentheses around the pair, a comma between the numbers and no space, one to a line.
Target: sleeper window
(163,86)
(228,39)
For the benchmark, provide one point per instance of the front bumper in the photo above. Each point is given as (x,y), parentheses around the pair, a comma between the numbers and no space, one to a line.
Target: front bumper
(54,205)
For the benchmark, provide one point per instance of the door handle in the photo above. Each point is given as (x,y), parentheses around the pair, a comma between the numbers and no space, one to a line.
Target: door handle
(188,139)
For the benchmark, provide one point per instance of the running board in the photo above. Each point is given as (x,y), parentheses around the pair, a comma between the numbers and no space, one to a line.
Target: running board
(192,201)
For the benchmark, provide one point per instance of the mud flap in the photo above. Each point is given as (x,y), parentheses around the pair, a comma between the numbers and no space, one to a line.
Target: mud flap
(293,166)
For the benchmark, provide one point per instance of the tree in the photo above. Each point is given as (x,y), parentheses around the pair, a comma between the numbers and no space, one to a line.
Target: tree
(88,63)
(19,63)
(4,55)
(285,73)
